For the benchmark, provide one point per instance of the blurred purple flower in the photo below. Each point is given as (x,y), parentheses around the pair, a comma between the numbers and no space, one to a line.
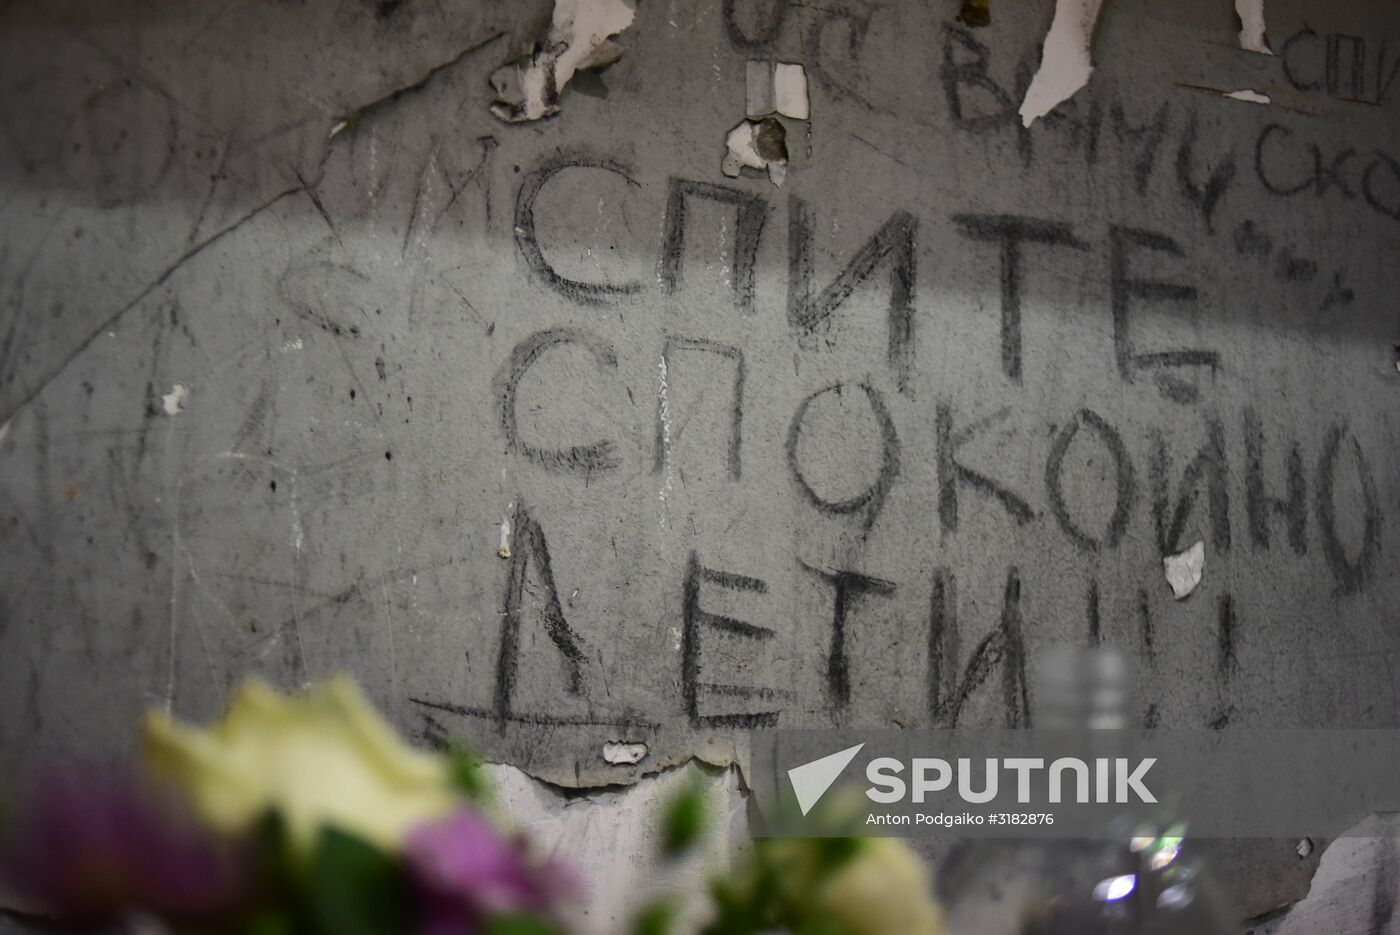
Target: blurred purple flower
(88,845)
(469,871)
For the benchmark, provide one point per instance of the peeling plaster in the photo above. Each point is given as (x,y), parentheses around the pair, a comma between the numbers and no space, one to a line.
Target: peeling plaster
(579,38)
(1066,60)
(174,401)
(624,754)
(1248,96)
(1252,38)
(1184,569)
(612,835)
(776,88)
(757,144)
(504,549)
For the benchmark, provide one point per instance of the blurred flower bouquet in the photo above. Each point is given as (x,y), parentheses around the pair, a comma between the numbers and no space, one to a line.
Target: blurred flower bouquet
(289,816)
(308,816)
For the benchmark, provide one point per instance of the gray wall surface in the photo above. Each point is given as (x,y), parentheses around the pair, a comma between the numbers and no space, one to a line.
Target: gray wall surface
(845,451)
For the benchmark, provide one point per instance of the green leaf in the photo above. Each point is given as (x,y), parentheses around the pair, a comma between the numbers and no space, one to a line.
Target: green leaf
(273,842)
(467,775)
(270,921)
(519,925)
(354,888)
(655,918)
(683,821)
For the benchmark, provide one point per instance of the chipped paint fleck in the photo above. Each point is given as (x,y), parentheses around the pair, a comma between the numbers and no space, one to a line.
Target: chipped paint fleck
(504,550)
(1183,570)
(1251,97)
(174,401)
(624,754)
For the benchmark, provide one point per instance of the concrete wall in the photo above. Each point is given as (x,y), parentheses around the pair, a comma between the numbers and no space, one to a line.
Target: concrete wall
(947,396)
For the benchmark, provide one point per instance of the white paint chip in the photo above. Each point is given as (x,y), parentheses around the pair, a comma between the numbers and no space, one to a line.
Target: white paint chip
(579,37)
(1245,94)
(504,550)
(174,401)
(1066,61)
(1184,569)
(1252,38)
(790,91)
(624,754)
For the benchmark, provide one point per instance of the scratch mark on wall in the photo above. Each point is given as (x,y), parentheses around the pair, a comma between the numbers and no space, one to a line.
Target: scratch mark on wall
(177,548)
(141,296)
(664,408)
(389,627)
(351,119)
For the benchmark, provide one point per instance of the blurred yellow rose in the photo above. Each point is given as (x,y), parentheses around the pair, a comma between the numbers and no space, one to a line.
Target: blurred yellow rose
(883,889)
(321,758)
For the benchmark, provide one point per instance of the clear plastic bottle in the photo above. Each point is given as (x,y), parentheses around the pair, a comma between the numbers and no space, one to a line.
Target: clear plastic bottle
(1143,880)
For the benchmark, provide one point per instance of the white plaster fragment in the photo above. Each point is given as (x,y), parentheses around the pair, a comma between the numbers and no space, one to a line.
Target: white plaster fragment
(624,754)
(504,550)
(174,401)
(579,37)
(1066,61)
(609,835)
(1252,38)
(742,151)
(776,88)
(1184,569)
(756,144)
(1249,96)
(790,91)
(293,345)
